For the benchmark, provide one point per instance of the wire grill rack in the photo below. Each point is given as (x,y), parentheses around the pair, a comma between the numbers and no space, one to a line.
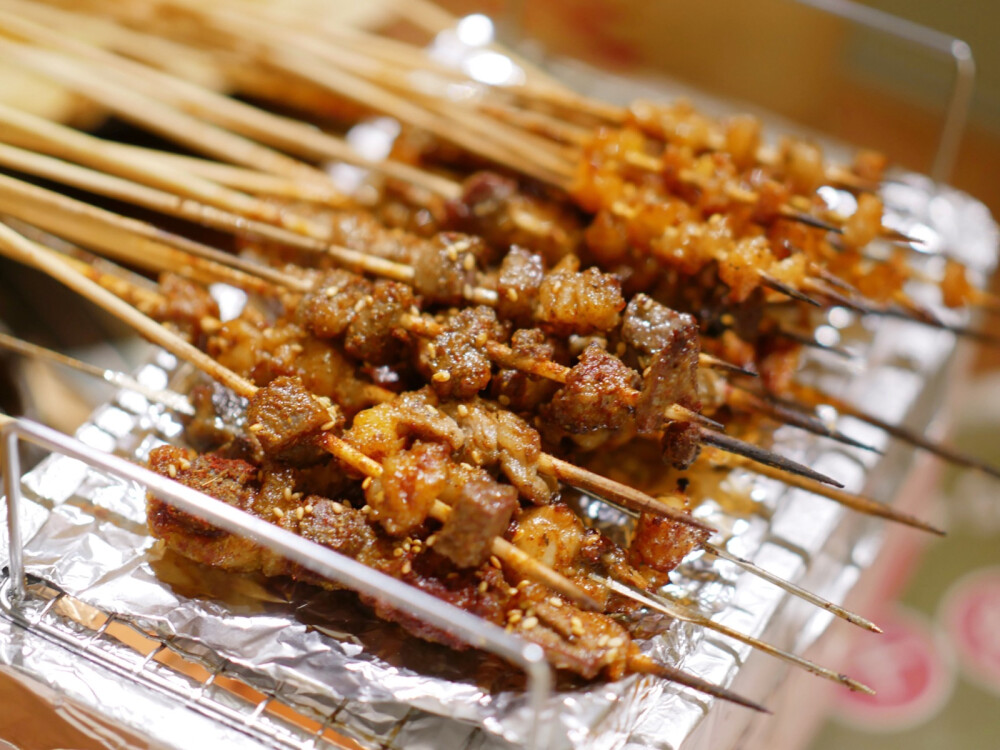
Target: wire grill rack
(204,681)
(257,709)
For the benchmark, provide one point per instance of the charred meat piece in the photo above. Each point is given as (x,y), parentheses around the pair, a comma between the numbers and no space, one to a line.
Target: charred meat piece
(681,443)
(521,276)
(328,311)
(496,437)
(661,544)
(593,397)
(445,268)
(230,480)
(287,419)
(579,302)
(218,419)
(519,391)
(387,428)
(411,480)
(374,334)
(649,327)
(455,360)
(671,378)
(495,208)
(185,304)
(482,511)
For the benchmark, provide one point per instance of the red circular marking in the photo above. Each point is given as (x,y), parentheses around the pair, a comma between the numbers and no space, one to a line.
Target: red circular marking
(971,617)
(907,667)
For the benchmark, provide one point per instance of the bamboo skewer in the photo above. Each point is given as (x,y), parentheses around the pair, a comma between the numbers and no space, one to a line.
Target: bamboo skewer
(134,240)
(798,591)
(175,94)
(173,401)
(673,609)
(948,453)
(859,503)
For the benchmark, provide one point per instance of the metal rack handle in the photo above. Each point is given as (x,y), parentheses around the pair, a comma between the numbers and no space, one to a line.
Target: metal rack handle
(932,40)
(314,557)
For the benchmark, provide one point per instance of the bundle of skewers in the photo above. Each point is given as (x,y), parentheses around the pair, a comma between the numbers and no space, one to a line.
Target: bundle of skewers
(531,291)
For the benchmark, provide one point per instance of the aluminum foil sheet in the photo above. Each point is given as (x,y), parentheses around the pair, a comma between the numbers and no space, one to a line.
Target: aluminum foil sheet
(87,537)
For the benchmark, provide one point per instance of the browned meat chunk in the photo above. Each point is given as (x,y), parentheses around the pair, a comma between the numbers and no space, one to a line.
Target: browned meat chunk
(218,415)
(494,208)
(287,419)
(661,544)
(671,378)
(681,443)
(481,512)
(229,480)
(594,395)
(521,276)
(374,334)
(411,480)
(579,302)
(185,304)
(496,437)
(650,327)
(455,361)
(517,390)
(445,268)
(387,428)
(329,310)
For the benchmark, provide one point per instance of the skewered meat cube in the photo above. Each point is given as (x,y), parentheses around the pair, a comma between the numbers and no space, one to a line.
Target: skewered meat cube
(494,208)
(286,419)
(482,511)
(578,302)
(229,480)
(592,398)
(186,304)
(386,428)
(521,276)
(455,361)
(518,390)
(496,437)
(445,267)
(328,311)
(650,327)
(661,544)
(411,480)
(802,163)
(373,334)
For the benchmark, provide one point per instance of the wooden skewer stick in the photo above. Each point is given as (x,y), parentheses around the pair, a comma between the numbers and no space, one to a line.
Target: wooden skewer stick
(38,134)
(151,114)
(866,307)
(181,96)
(246,180)
(859,503)
(45,260)
(816,396)
(745,400)
(239,225)
(134,241)
(298,57)
(616,492)
(801,593)
(644,664)
(173,401)
(673,609)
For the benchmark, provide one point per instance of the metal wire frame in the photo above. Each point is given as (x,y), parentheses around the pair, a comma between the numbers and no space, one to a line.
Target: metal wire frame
(314,557)
(930,40)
